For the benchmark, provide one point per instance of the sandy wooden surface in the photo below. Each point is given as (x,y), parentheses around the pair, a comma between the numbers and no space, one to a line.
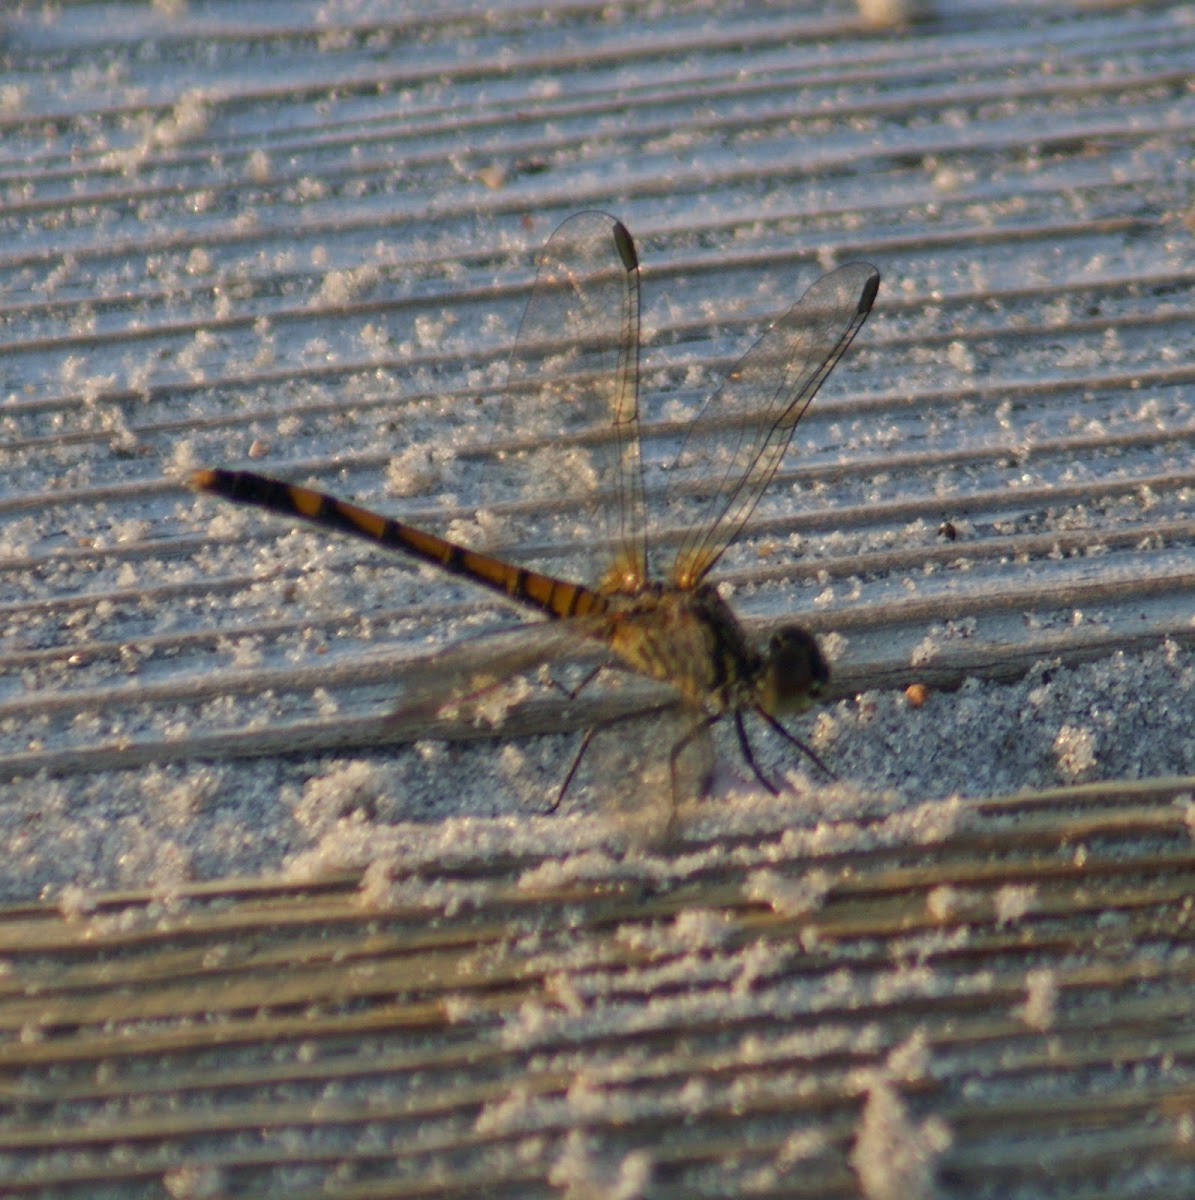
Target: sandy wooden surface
(257,943)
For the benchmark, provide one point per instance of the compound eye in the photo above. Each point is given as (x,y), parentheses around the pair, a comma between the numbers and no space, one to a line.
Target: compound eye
(796,670)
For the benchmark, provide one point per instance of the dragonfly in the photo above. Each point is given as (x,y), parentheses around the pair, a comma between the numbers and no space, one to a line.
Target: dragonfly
(573,390)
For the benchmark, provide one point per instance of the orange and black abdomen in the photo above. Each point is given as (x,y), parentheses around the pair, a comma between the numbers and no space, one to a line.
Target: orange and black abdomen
(555,597)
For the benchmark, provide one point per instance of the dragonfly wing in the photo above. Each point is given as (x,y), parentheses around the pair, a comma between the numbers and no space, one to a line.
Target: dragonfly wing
(742,432)
(571,413)
(468,671)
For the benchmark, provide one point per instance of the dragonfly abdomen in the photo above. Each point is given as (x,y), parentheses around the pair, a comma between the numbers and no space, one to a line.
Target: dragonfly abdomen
(554,597)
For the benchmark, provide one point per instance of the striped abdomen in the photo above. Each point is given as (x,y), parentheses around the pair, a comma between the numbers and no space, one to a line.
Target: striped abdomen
(555,597)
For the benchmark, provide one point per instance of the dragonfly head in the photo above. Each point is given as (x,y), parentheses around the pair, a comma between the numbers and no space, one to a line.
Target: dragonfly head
(794,671)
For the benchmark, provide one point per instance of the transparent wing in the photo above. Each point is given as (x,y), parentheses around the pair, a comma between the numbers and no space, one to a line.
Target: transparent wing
(466,671)
(742,432)
(646,767)
(572,398)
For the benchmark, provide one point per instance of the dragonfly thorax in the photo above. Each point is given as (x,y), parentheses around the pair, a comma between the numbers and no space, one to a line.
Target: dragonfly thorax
(690,638)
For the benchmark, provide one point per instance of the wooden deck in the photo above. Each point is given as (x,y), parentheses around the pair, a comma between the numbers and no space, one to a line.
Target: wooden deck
(256,942)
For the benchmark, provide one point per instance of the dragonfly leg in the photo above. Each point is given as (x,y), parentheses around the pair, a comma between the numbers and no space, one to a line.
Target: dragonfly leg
(589,736)
(749,756)
(696,730)
(637,715)
(808,751)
